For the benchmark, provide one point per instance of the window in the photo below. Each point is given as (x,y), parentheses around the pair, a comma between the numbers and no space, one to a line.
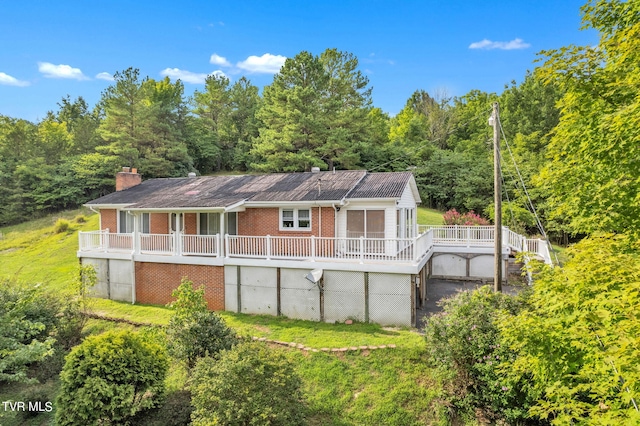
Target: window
(209,223)
(125,222)
(365,223)
(295,219)
(145,226)
(173,220)
(232,223)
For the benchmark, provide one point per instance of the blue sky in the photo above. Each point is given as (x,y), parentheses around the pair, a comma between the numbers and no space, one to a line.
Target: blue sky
(50,49)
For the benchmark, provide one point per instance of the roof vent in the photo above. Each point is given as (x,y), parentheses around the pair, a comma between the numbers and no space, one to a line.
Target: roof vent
(315,170)
(191,175)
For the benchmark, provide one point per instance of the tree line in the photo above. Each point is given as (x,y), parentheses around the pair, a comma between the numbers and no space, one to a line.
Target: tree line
(317,112)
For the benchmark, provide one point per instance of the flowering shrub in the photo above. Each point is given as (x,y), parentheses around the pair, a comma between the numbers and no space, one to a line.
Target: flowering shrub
(453,217)
(464,346)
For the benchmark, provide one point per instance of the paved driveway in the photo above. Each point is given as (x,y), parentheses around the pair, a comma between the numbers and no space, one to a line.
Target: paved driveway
(438,289)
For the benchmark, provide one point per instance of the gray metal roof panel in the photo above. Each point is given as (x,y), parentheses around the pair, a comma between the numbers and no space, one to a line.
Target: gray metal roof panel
(224,191)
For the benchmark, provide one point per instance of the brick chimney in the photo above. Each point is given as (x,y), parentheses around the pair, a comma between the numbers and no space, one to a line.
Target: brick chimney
(127,178)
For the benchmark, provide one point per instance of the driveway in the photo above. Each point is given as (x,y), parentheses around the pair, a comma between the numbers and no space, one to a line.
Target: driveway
(438,289)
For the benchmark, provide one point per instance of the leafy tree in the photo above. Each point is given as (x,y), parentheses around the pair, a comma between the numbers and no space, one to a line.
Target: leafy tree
(455,180)
(594,156)
(194,331)
(577,344)
(249,385)
(109,378)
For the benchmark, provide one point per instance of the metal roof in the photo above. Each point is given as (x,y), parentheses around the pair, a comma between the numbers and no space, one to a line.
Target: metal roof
(225,191)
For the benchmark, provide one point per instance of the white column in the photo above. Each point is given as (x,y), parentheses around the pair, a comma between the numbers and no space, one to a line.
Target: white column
(221,232)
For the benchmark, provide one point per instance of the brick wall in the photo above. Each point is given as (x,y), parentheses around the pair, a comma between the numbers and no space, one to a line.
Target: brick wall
(109,220)
(190,223)
(156,281)
(159,223)
(266,221)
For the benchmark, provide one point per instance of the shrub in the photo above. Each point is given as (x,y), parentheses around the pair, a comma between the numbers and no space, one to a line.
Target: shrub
(247,385)
(174,411)
(194,331)
(28,317)
(110,378)
(464,345)
(452,217)
(80,219)
(62,225)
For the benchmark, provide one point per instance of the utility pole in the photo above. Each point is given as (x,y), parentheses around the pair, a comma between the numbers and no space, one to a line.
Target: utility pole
(497,187)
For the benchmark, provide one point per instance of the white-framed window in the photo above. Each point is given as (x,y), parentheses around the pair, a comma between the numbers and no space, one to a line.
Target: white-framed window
(145,223)
(173,221)
(209,223)
(295,219)
(126,222)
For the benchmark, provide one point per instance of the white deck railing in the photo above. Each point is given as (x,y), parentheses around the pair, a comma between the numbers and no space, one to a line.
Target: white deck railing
(156,243)
(312,248)
(200,245)
(104,241)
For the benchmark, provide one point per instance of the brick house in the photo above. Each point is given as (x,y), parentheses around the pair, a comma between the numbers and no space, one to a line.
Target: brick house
(252,239)
(325,246)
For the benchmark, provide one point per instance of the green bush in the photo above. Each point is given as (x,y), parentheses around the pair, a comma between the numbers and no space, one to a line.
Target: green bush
(80,219)
(110,378)
(62,225)
(28,318)
(248,385)
(174,411)
(464,346)
(194,331)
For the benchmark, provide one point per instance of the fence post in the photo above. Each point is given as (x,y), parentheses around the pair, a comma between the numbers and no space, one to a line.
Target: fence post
(106,239)
(268,251)
(468,236)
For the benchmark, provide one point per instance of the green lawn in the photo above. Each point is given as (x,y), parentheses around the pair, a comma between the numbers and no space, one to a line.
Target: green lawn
(429,216)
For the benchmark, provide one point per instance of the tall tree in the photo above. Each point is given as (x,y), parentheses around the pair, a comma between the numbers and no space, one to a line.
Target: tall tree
(593,174)
(314,114)
(244,101)
(212,110)
(143,124)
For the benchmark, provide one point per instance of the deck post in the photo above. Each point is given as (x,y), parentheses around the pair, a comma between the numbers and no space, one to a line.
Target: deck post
(268,248)
(361,249)
(313,248)
(226,245)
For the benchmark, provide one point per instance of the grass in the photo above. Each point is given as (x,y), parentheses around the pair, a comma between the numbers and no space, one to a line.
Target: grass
(429,216)
(34,252)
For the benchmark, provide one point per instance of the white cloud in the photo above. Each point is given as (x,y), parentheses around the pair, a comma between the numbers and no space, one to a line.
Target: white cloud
(219,60)
(514,44)
(60,71)
(7,80)
(267,63)
(188,76)
(104,76)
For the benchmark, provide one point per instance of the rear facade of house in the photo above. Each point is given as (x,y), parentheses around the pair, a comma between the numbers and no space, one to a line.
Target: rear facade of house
(325,246)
